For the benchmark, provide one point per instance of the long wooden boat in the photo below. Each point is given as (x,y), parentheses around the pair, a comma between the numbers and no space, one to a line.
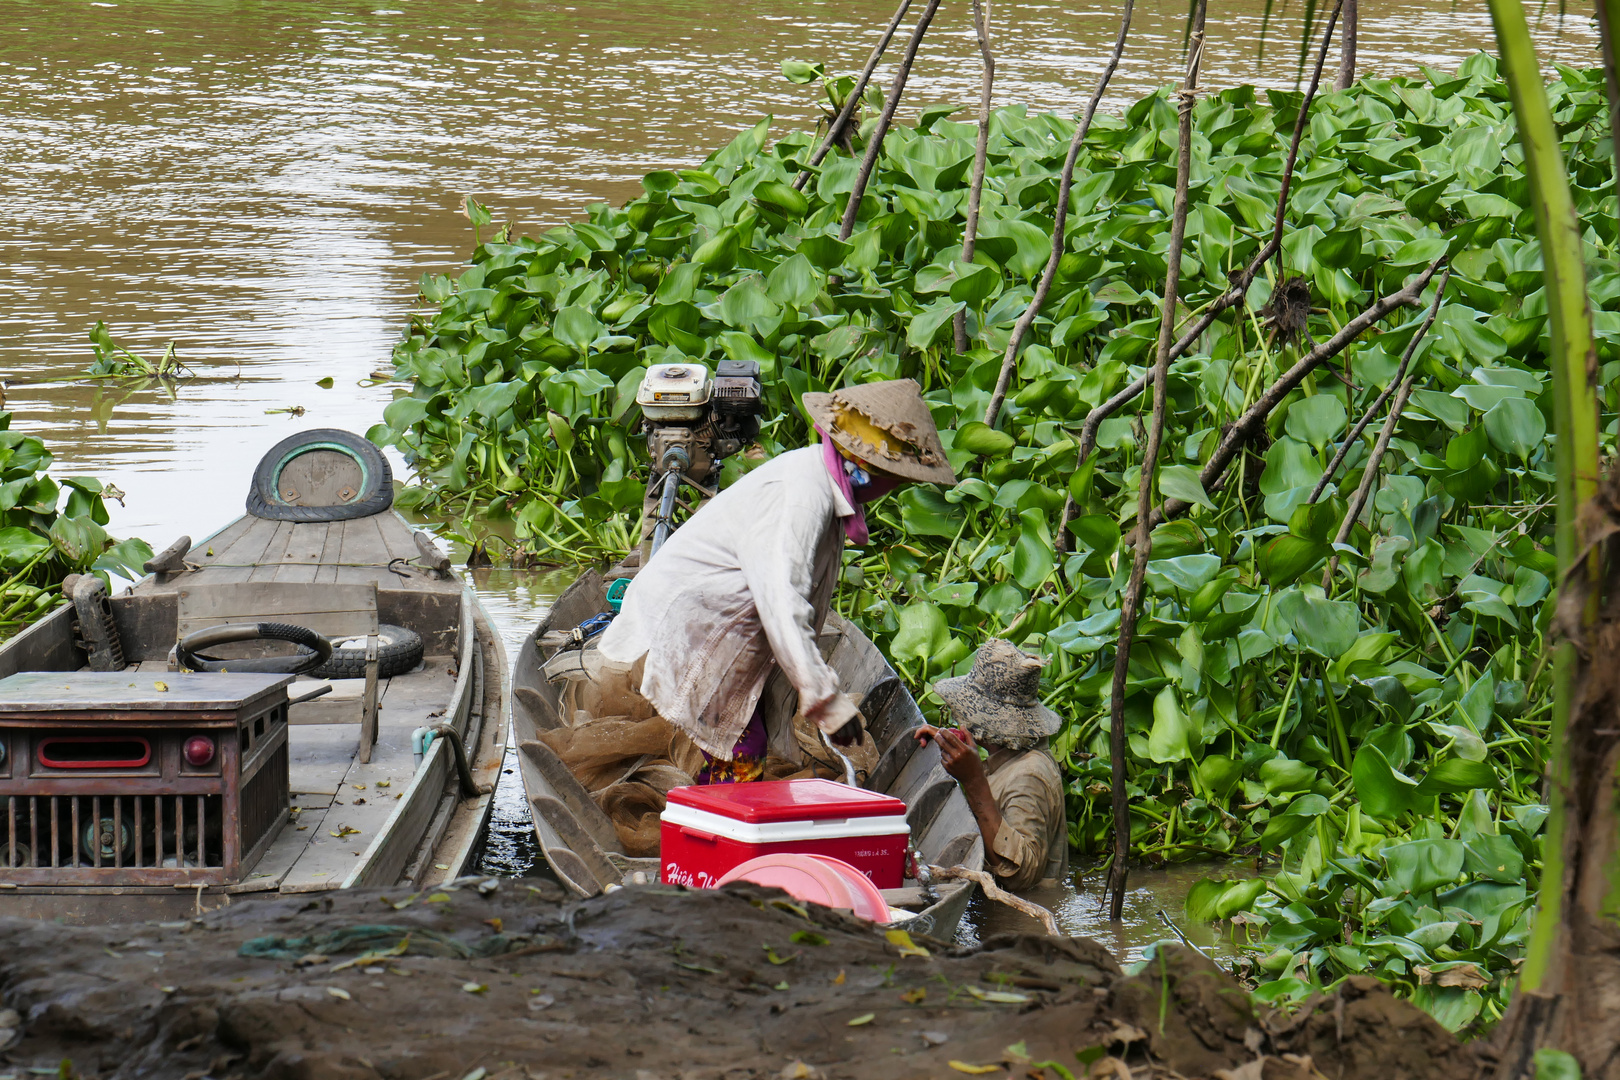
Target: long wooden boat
(583,848)
(317,783)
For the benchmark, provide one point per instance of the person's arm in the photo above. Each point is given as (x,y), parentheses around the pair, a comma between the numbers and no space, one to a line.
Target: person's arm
(777,562)
(959,755)
(1014,834)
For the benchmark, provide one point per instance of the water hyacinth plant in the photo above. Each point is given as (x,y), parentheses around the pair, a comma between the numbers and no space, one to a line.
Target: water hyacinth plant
(49,530)
(1357,697)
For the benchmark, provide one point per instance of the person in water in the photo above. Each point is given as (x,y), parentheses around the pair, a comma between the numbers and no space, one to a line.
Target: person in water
(1016,793)
(745,584)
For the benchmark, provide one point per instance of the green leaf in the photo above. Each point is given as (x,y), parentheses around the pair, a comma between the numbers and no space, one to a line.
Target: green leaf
(1316,420)
(798,71)
(1286,557)
(1219,774)
(1457,774)
(979,438)
(793,281)
(19,545)
(1516,427)
(1282,776)
(927,323)
(1182,482)
(1032,558)
(1423,866)
(925,511)
(1384,792)
(1299,816)
(1172,734)
(924,631)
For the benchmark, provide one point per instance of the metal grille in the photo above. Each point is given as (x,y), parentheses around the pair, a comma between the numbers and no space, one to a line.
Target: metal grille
(264,799)
(74,832)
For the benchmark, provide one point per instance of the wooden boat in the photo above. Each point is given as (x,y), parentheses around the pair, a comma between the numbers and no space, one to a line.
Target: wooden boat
(582,846)
(318,783)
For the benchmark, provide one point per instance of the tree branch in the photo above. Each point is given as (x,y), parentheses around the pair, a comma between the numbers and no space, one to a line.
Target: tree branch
(853,102)
(1245,427)
(1234,295)
(1059,223)
(1131,606)
(970,234)
(875,146)
(1351,439)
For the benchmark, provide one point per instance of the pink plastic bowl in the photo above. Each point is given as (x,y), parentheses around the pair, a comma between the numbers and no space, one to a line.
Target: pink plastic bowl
(815,879)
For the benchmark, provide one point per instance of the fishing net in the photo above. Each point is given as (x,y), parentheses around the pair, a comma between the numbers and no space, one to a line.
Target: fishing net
(628,757)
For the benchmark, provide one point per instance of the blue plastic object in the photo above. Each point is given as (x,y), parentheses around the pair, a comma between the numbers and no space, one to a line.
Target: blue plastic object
(615,593)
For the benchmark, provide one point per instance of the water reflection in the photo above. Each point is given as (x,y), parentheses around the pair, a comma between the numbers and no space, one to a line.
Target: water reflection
(264,183)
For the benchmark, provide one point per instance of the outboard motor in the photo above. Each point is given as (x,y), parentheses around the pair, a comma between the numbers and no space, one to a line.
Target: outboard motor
(692,422)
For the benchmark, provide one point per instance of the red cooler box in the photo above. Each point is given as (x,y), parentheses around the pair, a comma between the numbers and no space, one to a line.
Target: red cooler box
(708,830)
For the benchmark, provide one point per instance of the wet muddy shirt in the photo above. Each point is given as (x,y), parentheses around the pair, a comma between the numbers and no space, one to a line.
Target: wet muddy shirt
(1032,847)
(743,585)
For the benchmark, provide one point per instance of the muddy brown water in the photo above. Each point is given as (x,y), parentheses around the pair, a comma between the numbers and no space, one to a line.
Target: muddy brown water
(264,183)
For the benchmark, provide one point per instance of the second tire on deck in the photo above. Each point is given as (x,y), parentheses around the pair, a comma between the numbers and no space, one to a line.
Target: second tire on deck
(398,650)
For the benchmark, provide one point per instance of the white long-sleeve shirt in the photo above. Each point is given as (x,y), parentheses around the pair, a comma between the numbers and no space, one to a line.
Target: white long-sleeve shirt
(745,583)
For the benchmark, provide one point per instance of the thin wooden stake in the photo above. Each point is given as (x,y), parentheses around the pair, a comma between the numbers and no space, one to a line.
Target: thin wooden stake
(970,234)
(1233,296)
(1132,603)
(875,146)
(1347,48)
(853,101)
(1059,223)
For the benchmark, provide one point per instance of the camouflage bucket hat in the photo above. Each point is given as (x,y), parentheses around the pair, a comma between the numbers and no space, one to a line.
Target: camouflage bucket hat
(997,701)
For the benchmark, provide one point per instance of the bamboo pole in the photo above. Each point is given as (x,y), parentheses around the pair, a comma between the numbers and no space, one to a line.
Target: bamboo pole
(1130,607)
(1059,223)
(1574,906)
(970,233)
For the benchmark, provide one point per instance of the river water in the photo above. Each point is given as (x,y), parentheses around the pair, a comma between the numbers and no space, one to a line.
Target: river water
(263,183)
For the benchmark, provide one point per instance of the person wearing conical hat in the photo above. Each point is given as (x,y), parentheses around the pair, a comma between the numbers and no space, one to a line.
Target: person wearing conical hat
(1016,794)
(744,586)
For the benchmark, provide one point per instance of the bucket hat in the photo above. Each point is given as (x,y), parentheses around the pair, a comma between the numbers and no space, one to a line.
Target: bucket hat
(886,425)
(996,701)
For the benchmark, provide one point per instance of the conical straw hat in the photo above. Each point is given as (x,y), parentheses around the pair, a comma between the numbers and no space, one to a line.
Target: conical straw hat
(887,425)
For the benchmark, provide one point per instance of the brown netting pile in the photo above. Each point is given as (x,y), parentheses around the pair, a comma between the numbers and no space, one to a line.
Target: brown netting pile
(628,757)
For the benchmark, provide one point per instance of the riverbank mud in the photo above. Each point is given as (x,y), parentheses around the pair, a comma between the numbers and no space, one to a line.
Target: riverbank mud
(650,983)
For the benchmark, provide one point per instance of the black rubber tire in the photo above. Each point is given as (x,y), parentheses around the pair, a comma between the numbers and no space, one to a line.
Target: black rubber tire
(313,649)
(376,494)
(398,650)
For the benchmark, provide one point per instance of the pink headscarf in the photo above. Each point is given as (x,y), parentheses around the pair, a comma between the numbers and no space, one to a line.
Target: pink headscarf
(854,525)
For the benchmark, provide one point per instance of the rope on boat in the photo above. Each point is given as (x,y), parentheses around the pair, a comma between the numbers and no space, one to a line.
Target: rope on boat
(997,893)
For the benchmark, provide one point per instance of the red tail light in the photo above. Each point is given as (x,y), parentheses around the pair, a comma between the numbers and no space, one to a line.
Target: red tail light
(199,751)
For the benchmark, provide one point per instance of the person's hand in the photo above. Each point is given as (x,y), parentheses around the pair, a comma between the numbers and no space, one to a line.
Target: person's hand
(958,753)
(849,734)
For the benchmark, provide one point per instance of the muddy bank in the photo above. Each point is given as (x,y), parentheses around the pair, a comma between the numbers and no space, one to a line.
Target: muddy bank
(649,982)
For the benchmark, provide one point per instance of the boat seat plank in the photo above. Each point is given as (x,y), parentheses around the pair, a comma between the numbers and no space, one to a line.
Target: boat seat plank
(332,610)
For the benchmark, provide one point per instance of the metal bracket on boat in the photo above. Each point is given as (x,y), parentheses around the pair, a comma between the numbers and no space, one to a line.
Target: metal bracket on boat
(422,738)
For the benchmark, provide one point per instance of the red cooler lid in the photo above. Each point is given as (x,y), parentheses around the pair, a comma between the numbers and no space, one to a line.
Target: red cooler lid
(787,800)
